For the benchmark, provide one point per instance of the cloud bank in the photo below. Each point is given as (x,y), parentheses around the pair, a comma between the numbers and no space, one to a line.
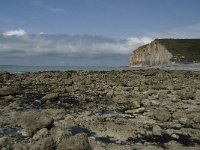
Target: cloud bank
(19,47)
(18,42)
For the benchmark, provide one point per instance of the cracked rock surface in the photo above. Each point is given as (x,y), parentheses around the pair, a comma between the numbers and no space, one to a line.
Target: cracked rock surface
(83,110)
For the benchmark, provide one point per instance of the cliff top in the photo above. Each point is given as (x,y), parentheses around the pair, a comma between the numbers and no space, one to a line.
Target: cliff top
(183,50)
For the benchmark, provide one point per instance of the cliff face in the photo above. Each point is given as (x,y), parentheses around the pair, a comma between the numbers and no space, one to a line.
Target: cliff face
(167,51)
(151,54)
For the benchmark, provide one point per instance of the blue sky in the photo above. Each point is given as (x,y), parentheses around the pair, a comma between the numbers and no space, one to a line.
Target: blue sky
(106,17)
(124,21)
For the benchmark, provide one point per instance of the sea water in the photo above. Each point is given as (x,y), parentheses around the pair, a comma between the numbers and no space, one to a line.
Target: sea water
(23,69)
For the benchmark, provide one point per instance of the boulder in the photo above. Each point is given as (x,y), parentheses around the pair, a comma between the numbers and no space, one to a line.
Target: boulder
(162,94)
(197,119)
(59,133)
(44,144)
(134,103)
(68,82)
(50,97)
(162,115)
(76,142)
(157,130)
(40,134)
(34,121)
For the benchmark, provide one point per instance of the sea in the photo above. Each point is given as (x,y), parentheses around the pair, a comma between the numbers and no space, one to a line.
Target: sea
(24,69)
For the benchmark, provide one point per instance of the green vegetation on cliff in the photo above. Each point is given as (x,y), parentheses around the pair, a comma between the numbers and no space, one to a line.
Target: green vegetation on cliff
(183,50)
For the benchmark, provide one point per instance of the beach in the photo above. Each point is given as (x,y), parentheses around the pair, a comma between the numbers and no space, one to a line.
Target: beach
(132,109)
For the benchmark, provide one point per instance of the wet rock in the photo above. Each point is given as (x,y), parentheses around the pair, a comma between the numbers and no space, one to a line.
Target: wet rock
(162,115)
(34,121)
(50,97)
(40,134)
(76,142)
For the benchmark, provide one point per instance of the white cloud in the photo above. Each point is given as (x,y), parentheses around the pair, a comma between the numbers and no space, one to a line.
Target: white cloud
(144,40)
(19,32)
(68,44)
(66,49)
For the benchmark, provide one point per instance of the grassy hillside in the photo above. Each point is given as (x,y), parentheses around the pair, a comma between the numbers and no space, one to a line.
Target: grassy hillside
(183,50)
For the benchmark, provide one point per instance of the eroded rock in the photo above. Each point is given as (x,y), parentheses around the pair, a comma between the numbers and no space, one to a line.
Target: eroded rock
(10,90)
(34,121)
(162,115)
(76,142)
(50,97)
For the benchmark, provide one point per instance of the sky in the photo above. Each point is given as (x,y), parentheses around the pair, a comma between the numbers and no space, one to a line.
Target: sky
(89,32)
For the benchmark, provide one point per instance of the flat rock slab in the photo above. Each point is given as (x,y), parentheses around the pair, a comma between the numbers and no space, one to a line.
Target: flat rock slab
(10,90)
(76,142)
(162,115)
(33,121)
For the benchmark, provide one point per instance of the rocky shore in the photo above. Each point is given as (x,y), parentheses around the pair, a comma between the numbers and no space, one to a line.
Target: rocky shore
(83,110)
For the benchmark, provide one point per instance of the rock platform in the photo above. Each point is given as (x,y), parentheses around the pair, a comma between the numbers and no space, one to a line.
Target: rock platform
(82,110)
